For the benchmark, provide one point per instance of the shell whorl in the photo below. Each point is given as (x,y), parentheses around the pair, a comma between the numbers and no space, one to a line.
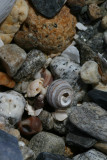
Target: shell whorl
(59,94)
(5,8)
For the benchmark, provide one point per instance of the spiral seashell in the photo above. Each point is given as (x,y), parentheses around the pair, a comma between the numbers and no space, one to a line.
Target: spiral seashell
(5,8)
(59,94)
(30,126)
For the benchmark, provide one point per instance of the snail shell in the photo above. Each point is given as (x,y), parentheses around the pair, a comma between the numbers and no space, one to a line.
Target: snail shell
(59,94)
(5,8)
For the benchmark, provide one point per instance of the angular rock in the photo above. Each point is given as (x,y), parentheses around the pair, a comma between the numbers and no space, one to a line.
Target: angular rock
(91,155)
(99,97)
(53,35)
(12,23)
(9,147)
(48,8)
(50,156)
(91,119)
(33,63)
(63,68)
(12,105)
(12,58)
(47,142)
(80,140)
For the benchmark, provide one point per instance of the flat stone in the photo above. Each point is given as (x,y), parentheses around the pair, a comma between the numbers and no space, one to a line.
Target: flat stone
(91,155)
(91,119)
(99,97)
(80,140)
(12,58)
(50,156)
(33,63)
(48,8)
(47,142)
(9,147)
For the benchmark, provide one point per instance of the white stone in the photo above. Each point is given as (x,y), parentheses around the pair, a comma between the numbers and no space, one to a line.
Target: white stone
(73,53)
(59,115)
(81,27)
(12,105)
(89,73)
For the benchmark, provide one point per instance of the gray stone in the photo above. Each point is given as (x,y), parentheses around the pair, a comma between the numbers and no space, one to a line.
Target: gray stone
(34,62)
(60,126)
(105,37)
(46,119)
(48,8)
(47,142)
(91,155)
(80,140)
(9,148)
(12,58)
(91,119)
(62,68)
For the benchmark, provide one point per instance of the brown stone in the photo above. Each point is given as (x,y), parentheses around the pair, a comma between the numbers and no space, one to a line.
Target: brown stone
(76,2)
(94,1)
(94,11)
(53,35)
(104,22)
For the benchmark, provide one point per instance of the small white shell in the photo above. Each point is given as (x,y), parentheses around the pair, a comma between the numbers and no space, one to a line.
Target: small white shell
(35,87)
(59,94)
(81,27)
(31,111)
(5,8)
(60,115)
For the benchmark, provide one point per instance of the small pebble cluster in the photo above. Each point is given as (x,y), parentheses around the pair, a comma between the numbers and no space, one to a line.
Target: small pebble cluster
(53,79)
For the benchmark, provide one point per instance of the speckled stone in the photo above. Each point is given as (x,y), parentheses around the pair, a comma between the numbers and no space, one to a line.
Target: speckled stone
(33,63)
(91,155)
(91,119)
(12,58)
(53,35)
(48,8)
(63,68)
(47,142)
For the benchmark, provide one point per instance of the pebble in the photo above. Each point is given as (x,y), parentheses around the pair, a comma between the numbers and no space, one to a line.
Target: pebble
(60,126)
(99,97)
(12,23)
(47,8)
(47,142)
(105,36)
(12,105)
(104,22)
(91,119)
(12,58)
(53,35)
(46,119)
(80,140)
(94,1)
(9,147)
(72,53)
(101,147)
(62,68)
(76,3)
(50,156)
(91,155)
(94,11)
(81,27)
(34,62)
(89,73)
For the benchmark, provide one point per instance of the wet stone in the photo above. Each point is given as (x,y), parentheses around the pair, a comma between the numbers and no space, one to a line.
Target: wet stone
(99,97)
(91,119)
(9,147)
(12,58)
(80,140)
(48,8)
(91,155)
(33,63)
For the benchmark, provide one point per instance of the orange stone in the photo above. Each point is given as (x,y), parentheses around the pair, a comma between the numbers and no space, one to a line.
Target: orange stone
(53,35)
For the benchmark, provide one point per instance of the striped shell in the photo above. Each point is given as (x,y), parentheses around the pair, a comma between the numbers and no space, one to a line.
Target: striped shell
(59,94)
(5,8)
